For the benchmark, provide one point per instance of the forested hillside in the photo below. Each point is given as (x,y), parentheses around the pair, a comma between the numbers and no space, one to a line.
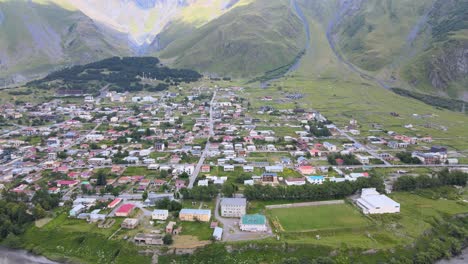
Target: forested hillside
(120,74)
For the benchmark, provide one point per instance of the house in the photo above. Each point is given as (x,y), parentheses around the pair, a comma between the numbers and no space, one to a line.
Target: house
(372,202)
(218,233)
(160,215)
(114,203)
(95,216)
(78,209)
(329,146)
(269,178)
(305,169)
(249,182)
(295,181)
(363,159)
(203,182)
(180,184)
(248,168)
(148,239)
(195,215)
(233,207)
(159,146)
(130,223)
(397,145)
(253,223)
(228,167)
(315,179)
(125,210)
(84,201)
(205,168)
(67,183)
(276,168)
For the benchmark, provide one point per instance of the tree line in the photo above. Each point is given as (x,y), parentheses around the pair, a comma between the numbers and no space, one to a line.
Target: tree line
(123,74)
(311,192)
(348,159)
(442,178)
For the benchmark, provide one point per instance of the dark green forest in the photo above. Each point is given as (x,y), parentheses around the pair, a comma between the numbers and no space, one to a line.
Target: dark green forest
(121,74)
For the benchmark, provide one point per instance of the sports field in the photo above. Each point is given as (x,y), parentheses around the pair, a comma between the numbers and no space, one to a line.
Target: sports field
(310,218)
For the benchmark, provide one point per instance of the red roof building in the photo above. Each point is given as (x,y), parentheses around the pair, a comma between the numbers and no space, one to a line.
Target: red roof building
(125,210)
(67,183)
(114,203)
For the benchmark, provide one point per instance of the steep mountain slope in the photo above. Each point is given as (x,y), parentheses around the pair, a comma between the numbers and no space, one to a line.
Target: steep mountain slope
(247,41)
(417,45)
(443,65)
(37,37)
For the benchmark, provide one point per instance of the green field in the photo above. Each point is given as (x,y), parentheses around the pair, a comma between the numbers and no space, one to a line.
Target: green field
(322,217)
(342,224)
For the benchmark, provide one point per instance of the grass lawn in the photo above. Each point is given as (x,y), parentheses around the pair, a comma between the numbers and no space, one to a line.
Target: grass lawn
(417,212)
(200,230)
(319,217)
(290,173)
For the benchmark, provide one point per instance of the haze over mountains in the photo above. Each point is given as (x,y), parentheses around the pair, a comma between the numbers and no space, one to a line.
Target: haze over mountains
(418,45)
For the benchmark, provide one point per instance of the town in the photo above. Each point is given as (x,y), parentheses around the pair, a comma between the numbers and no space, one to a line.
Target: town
(190,166)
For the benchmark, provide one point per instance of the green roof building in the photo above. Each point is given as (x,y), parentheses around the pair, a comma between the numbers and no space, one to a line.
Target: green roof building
(253,223)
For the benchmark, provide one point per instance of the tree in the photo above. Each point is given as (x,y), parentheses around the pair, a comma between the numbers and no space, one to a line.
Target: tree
(228,189)
(167,239)
(145,195)
(62,155)
(39,212)
(163,174)
(184,175)
(101,178)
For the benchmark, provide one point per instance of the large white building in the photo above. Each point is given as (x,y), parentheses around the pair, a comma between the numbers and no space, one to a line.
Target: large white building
(233,207)
(372,202)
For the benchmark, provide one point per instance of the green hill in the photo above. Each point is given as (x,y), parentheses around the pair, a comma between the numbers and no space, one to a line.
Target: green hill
(35,38)
(417,45)
(247,41)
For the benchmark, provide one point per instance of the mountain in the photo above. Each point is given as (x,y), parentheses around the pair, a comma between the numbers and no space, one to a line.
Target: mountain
(248,41)
(36,37)
(417,45)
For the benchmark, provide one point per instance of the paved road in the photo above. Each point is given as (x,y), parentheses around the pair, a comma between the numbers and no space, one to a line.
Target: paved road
(201,161)
(370,151)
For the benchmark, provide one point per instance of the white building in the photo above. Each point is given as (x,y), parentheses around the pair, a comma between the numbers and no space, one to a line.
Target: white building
(295,181)
(218,233)
(160,215)
(275,168)
(203,182)
(233,207)
(372,202)
(329,146)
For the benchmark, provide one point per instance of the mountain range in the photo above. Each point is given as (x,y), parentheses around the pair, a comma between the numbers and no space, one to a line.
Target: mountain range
(420,46)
